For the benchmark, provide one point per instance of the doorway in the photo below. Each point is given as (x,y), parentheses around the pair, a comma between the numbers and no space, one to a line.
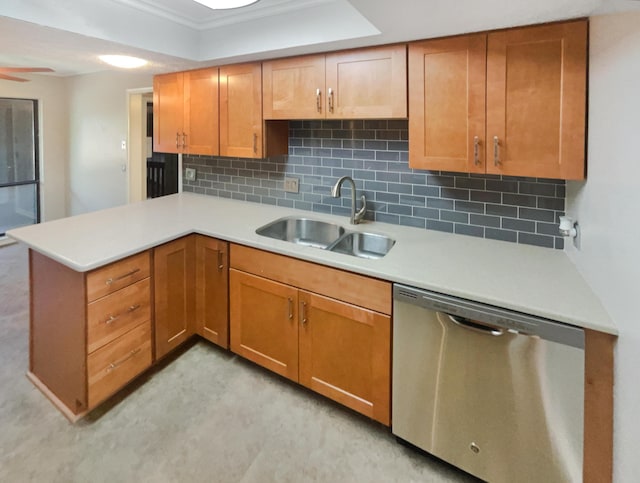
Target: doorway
(19,166)
(151,174)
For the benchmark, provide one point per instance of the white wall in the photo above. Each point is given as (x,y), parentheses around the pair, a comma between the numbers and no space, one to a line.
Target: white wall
(51,94)
(606,206)
(98,123)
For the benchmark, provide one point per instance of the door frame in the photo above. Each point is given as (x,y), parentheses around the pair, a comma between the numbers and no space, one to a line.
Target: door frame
(136,141)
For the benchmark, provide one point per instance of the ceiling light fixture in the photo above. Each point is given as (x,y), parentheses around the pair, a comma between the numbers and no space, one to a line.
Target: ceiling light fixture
(123,61)
(225,4)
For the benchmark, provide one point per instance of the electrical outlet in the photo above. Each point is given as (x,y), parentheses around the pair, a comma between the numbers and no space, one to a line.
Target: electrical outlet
(190,174)
(291,185)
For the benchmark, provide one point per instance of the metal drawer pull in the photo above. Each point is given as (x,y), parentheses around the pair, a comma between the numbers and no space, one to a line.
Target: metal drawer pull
(319,100)
(128,274)
(115,365)
(476,150)
(220,264)
(290,302)
(475,326)
(113,318)
(304,313)
(330,96)
(496,150)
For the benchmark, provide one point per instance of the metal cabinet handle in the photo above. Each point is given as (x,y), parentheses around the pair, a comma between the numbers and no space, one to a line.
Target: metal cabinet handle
(184,140)
(115,365)
(113,318)
(128,274)
(255,143)
(304,313)
(290,307)
(476,150)
(220,264)
(177,140)
(319,100)
(475,326)
(496,150)
(330,98)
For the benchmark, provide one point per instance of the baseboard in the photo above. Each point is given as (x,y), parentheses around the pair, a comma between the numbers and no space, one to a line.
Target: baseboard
(5,240)
(54,399)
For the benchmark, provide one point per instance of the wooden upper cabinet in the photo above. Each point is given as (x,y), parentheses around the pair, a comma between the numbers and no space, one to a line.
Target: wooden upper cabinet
(536,101)
(173,278)
(241,111)
(367,83)
(294,88)
(447,104)
(533,123)
(185,112)
(212,291)
(359,84)
(201,112)
(168,112)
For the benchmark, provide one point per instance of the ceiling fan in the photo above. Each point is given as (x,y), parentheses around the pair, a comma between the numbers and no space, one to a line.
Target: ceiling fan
(5,71)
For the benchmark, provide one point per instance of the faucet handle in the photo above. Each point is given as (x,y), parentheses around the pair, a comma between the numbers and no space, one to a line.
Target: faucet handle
(360,214)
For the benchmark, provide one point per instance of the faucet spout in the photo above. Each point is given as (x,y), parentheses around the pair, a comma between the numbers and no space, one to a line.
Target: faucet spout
(356,216)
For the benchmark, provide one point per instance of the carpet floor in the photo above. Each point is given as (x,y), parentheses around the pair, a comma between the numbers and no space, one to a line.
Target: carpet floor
(205,415)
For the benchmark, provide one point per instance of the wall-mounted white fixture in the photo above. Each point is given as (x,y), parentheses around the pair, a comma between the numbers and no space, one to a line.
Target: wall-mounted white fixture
(225,4)
(568,227)
(123,61)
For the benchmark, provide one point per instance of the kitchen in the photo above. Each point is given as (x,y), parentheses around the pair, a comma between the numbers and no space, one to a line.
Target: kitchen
(614,200)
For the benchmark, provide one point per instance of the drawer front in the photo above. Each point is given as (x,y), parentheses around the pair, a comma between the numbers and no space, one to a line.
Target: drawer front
(360,290)
(111,316)
(113,277)
(112,366)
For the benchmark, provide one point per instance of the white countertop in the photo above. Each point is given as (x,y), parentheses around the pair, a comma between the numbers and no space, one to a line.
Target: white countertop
(537,281)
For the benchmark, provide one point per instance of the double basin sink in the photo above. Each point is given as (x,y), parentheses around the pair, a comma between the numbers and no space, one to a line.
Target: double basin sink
(327,236)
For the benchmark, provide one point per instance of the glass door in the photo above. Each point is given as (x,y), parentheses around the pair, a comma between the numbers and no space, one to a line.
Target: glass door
(19,177)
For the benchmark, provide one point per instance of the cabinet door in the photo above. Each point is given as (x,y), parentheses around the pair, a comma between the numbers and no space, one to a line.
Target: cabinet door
(345,354)
(264,323)
(201,112)
(447,104)
(241,111)
(536,96)
(367,83)
(212,291)
(294,88)
(173,278)
(168,105)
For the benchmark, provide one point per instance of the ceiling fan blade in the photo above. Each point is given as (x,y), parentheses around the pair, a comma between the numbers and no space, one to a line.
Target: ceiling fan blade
(26,69)
(12,78)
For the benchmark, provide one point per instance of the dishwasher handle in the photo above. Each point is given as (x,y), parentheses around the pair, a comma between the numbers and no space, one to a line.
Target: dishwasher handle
(475,326)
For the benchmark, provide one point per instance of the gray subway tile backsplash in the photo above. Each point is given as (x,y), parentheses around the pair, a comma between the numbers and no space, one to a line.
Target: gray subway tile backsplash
(375,154)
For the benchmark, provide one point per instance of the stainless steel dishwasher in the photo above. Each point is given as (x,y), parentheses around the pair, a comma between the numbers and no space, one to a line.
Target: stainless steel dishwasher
(496,393)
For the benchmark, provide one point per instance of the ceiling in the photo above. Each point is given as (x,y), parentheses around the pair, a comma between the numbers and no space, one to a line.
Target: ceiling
(68,35)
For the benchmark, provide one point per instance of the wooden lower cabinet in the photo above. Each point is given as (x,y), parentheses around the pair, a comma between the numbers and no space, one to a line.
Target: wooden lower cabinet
(173,279)
(344,354)
(334,347)
(264,322)
(90,333)
(212,290)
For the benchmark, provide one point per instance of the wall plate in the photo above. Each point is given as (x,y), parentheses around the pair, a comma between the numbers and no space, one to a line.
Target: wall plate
(190,174)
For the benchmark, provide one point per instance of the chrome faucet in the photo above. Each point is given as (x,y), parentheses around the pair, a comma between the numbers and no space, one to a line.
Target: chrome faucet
(335,192)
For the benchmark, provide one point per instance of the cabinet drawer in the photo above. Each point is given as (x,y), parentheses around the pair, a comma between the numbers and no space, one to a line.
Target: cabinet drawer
(117,313)
(115,276)
(112,366)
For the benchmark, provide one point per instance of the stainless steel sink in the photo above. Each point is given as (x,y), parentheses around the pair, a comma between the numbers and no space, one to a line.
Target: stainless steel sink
(363,245)
(303,231)
(327,236)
